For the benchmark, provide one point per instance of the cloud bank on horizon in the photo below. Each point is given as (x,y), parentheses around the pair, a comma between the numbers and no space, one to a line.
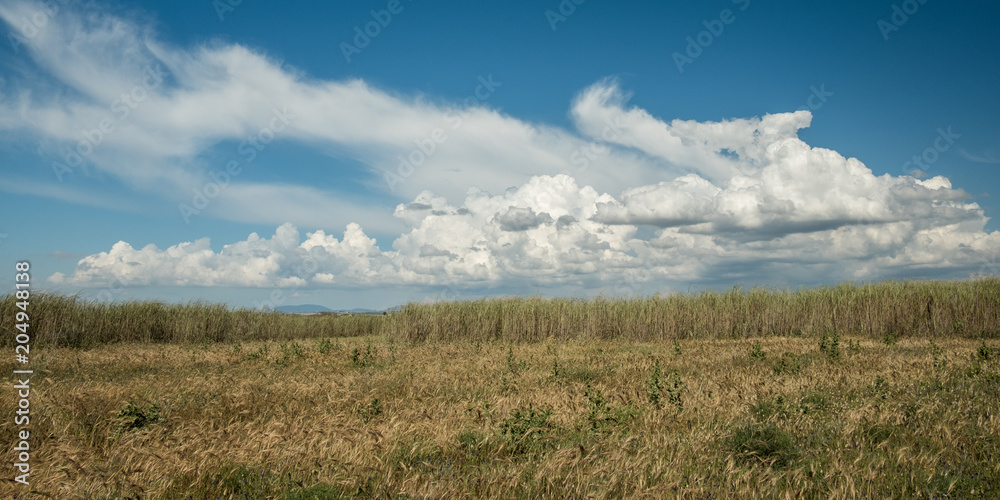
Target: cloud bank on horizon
(482,198)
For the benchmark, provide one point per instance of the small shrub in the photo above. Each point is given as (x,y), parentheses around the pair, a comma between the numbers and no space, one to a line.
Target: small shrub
(238,482)
(362,359)
(880,387)
(371,411)
(136,416)
(974,368)
(556,370)
(525,430)
(939,362)
(324,346)
(829,344)
(984,352)
(757,352)
(654,385)
(600,414)
(506,385)
(677,348)
(787,364)
(513,365)
(598,411)
(675,389)
(289,352)
(260,353)
(765,443)
(472,444)
(890,337)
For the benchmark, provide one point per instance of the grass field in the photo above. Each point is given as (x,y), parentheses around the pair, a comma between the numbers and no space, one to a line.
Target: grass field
(523,398)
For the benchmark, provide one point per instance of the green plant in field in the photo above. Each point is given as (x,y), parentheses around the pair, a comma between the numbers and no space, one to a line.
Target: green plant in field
(764,443)
(890,337)
(600,414)
(482,410)
(363,358)
(525,430)
(787,364)
(598,411)
(939,362)
(765,408)
(829,344)
(325,346)
(675,389)
(289,352)
(371,410)
(240,482)
(984,352)
(757,352)
(974,368)
(556,370)
(677,348)
(880,387)
(654,385)
(513,365)
(507,386)
(854,346)
(472,443)
(813,402)
(138,416)
(260,353)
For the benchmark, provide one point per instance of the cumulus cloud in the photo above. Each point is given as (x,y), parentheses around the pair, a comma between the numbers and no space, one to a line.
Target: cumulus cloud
(522,219)
(551,230)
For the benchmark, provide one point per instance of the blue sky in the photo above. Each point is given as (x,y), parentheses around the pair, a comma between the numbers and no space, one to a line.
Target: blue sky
(463,149)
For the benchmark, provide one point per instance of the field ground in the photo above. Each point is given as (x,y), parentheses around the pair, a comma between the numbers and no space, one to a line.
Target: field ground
(370,416)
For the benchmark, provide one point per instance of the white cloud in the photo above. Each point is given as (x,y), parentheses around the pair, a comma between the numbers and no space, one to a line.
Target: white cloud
(547,232)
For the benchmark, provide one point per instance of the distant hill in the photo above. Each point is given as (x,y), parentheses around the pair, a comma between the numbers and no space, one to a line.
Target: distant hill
(303,308)
(358,310)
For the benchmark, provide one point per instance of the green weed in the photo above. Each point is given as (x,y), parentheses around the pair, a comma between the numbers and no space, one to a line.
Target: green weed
(763,443)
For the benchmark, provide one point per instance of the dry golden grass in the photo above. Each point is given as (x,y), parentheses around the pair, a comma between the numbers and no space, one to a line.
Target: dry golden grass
(298,419)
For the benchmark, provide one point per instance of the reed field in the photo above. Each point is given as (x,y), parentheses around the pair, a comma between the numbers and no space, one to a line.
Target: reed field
(880,390)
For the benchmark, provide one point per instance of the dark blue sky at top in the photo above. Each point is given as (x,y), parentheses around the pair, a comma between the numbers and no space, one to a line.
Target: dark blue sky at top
(939,69)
